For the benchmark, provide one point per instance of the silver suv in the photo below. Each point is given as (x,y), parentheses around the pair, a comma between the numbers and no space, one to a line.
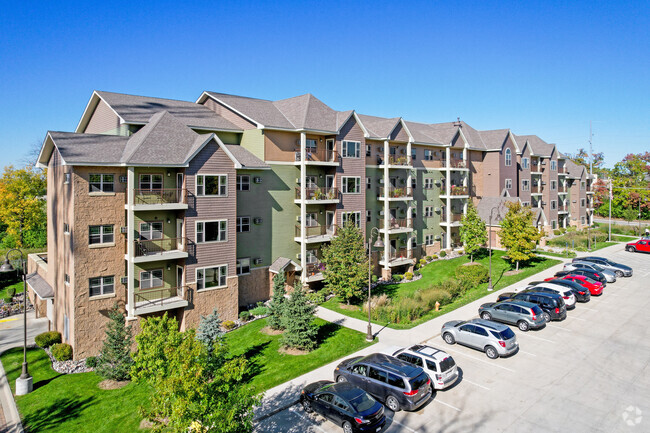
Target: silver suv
(524,314)
(438,364)
(588,266)
(492,338)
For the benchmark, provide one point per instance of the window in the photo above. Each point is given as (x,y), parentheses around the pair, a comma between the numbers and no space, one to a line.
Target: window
(102,286)
(429,240)
(312,256)
(553,185)
(432,365)
(66,279)
(100,234)
(351,149)
(428,183)
(211,185)
(243,182)
(243,266)
(583,184)
(582,220)
(311,220)
(368,183)
(480,331)
(508,157)
(102,182)
(377,374)
(151,279)
(428,211)
(395,381)
(66,178)
(582,202)
(66,228)
(355,217)
(368,216)
(414,154)
(525,185)
(526,203)
(152,230)
(351,185)
(311,181)
(310,145)
(212,231)
(211,277)
(553,204)
(508,183)
(553,165)
(414,183)
(243,224)
(414,242)
(368,150)
(525,163)
(360,369)
(150,182)
(428,155)
(553,224)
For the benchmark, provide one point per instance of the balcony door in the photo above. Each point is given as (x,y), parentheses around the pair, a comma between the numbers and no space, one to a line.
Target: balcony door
(329,222)
(151,230)
(329,181)
(151,182)
(393,247)
(329,146)
(179,233)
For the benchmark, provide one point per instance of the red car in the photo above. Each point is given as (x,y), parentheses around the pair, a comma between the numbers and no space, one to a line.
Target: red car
(595,287)
(642,245)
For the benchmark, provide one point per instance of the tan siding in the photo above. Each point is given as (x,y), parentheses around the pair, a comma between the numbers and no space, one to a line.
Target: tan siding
(376,151)
(491,175)
(229,115)
(281,146)
(102,120)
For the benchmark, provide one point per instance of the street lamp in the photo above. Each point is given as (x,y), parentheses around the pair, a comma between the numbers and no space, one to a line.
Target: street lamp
(490,288)
(25,383)
(378,244)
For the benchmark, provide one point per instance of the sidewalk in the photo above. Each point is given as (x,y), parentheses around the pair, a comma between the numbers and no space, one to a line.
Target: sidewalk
(287,394)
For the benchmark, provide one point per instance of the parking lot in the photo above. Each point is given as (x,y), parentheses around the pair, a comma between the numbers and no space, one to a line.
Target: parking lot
(590,372)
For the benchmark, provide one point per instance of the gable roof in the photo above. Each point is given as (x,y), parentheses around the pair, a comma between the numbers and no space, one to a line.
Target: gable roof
(488,203)
(436,133)
(574,171)
(538,147)
(137,110)
(281,263)
(494,139)
(378,127)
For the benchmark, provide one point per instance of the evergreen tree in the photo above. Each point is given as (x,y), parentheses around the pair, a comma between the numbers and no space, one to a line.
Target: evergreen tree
(300,330)
(276,306)
(346,264)
(209,331)
(518,234)
(472,232)
(115,357)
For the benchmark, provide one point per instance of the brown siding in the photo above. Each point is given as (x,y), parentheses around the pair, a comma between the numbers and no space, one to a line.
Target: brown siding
(399,134)
(228,114)
(281,146)
(524,174)
(352,167)
(254,287)
(376,151)
(492,174)
(476,171)
(548,195)
(511,171)
(102,120)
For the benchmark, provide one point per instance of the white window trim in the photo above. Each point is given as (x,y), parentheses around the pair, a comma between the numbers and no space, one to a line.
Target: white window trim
(196,184)
(553,185)
(162,279)
(525,163)
(346,215)
(238,266)
(428,183)
(101,183)
(101,234)
(344,184)
(508,157)
(525,185)
(429,240)
(196,231)
(508,183)
(162,180)
(196,278)
(237,224)
(431,155)
(344,149)
(101,285)
(553,165)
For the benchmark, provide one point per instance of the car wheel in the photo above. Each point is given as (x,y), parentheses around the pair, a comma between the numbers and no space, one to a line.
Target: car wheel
(347,427)
(491,352)
(392,403)
(486,316)
(547,316)
(619,274)
(306,405)
(631,249)
(449,339)
(523,325)
(341,379)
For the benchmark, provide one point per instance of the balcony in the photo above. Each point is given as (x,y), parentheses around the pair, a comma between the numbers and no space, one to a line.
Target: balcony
(315,272)
(454,221)
(456,191)
(149,301)
(562,209)
(396,225)
(159,199)
(151,250)
(562,190)
(318,156)
(397,257)
(395,161)
(317,233)
(319,195)
(536,189)
(458,164)
(395,194)
(561,170)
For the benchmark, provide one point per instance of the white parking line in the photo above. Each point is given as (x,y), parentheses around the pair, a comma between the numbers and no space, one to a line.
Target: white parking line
(292,410)
(481,360)
(527,353)
(588,309)
(475,384)
(399,423)
(558,327)
(446,404)
(539,338)
(577,318)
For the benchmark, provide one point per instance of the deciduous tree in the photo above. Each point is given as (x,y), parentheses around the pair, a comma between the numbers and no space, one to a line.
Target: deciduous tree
(518,234)
(472,231)
(22,205)
(346,264)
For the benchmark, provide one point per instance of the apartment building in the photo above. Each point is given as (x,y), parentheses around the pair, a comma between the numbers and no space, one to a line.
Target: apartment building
(182,207)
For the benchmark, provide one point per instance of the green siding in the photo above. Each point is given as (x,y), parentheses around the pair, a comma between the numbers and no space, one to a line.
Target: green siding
(253,141)
(229,137)
(169,181)
(169,229)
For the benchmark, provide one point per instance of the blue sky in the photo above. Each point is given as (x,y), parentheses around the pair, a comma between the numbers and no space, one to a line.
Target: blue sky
(543,68)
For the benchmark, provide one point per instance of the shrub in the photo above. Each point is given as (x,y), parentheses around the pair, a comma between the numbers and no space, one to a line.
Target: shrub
(417,273)
(8,299)
(408,276)
(376,302)
(443,253)
(260,310)
(557,232)
(397,277)
(432,295)
(46,339)
(434,257)
(461,252)
(62,352)
(92,362)
(229,325)
(472,275)
(374,278)
(429,258)
(244,316)
(454,287)
(11,292)
(423,262)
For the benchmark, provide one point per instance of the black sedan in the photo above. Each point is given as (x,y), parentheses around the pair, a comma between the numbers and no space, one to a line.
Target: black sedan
(344,404)
(582,294)
(594,275)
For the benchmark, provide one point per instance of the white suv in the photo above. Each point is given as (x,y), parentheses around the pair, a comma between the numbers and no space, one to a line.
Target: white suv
(438,364)
(565,292)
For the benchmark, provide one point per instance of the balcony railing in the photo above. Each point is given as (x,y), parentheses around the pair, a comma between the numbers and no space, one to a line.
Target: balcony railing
(457,163)
(404,160)
(318,155)
(157,246)
(561,208)
(459,190)
(401,253)
(319,193)
(318,230)
(151,297)
(314,268)
(160,196)
(394,192)
(561,169)
(561,189)
(456,217)
(536,189)
(396,223)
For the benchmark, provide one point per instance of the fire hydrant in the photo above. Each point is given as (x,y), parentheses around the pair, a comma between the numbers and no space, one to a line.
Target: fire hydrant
(437,306)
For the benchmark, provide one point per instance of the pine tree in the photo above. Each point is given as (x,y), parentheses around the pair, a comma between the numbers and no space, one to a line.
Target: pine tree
(346,264)
(209,331)
(518,234)
(277,304)
(115,357)
(300,331)
(472,232)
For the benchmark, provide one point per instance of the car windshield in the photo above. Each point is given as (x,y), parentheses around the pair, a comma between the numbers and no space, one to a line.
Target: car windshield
(362,402)
(419,381)
(447,363)
(596,267)
(589,280)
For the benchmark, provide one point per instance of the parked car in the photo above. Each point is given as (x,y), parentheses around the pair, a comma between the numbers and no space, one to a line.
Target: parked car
(594,275)
(399,384)
(523,314)
(610,276)
(492,338)
(438,364)
(581,293)
(552,305)
(641,246)
(344,404)
(565,292)
(595,287)
(620,269)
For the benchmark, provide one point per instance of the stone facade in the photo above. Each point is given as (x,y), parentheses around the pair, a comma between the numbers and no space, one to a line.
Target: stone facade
(254,287)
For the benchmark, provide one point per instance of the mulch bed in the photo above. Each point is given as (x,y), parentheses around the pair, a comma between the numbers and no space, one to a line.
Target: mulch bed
(113,384)
(292,351)
(270,331)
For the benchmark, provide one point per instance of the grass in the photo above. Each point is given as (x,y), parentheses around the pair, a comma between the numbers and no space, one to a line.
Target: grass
(441,270)
(600,245)
(65,403)
(19,286)
(554,254)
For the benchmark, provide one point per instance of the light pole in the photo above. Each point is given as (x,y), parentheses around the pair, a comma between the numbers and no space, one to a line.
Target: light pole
(490,288)
(378,244)
(25,383)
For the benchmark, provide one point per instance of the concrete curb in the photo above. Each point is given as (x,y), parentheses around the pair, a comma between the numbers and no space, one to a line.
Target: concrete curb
(12,417)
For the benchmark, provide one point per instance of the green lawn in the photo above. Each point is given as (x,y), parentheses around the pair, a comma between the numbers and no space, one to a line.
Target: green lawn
(18,286)
(73,403)
(600,245)
(444,269)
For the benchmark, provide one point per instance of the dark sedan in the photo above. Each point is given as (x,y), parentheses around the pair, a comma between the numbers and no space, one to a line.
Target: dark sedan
(344,404)
(582,294)
(594,275)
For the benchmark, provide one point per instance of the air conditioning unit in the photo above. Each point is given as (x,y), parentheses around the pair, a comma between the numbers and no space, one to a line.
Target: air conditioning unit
(298,180)
(257,261)
(257,220)
(437,210)
(298,256)
(381,212)
(543,203)
(298,218)
(437,237)
(124,229)
(257,179)
(124,280)
(123,179)
(381,180)
(543,183)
